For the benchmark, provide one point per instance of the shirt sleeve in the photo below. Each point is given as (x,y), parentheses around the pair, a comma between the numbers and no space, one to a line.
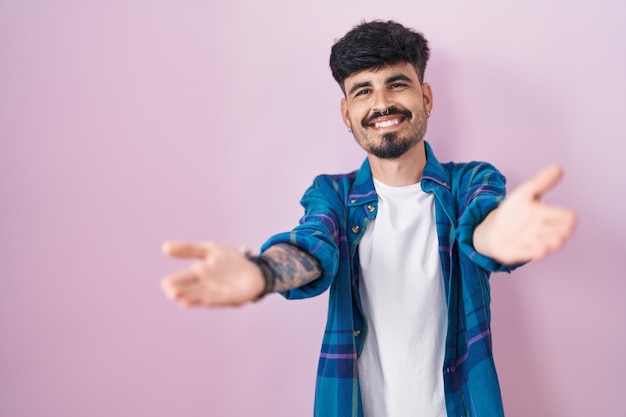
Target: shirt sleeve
(317,234)
(481,189)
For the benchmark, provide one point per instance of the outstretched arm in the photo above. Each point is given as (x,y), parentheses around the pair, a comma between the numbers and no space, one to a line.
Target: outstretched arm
(223,276)
(523,228)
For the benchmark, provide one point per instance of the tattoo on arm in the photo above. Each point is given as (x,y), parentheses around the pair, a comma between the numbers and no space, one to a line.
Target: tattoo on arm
(291,266)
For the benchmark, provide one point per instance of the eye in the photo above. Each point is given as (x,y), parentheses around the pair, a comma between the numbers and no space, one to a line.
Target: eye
(363,92)
(397,85)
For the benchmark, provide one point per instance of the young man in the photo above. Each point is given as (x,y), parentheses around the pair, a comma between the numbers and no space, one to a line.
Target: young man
(405,245)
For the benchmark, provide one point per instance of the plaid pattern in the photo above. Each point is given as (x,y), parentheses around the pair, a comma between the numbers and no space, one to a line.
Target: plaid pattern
(337,210)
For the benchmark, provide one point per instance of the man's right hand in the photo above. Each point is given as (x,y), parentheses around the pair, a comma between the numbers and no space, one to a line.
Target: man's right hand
(221,276)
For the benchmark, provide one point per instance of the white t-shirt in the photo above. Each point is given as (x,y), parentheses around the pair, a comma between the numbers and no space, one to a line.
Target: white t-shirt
(403,298)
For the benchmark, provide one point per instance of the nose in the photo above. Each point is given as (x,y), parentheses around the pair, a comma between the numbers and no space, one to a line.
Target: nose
(381,101)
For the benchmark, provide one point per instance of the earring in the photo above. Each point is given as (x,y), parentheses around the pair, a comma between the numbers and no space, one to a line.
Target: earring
(349,130)
(428,115)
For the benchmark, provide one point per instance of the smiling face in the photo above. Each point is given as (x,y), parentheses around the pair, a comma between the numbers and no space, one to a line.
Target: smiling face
(386,109)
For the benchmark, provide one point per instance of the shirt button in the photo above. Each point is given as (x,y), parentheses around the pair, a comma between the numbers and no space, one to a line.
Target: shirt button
(357,333)
(353,200)
(355,229)
(371,208)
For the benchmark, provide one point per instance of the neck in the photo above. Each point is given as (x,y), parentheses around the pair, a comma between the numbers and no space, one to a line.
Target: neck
(406,170)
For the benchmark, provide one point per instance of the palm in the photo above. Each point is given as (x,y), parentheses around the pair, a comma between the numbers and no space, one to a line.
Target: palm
(221,276)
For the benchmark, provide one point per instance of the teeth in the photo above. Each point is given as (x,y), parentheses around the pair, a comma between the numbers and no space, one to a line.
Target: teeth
(387,123)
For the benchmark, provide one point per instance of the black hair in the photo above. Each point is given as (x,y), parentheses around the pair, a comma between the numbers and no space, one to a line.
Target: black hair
(376,44)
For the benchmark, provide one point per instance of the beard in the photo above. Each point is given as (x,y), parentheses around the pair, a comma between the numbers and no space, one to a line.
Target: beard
(393,147)
(395,144)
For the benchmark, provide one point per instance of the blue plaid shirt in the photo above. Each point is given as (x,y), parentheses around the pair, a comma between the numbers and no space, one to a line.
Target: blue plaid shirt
(337,211)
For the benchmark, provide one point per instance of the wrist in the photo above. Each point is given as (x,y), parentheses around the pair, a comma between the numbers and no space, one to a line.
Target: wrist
(266,272)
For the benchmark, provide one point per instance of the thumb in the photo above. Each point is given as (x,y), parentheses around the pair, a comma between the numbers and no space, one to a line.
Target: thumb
(544,180)
(185,250)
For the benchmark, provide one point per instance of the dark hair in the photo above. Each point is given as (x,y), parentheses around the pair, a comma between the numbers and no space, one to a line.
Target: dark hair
(377,44)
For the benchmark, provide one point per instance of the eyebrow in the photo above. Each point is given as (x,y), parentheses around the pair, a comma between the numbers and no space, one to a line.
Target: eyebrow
(360,85)
(399,77)
(392,79)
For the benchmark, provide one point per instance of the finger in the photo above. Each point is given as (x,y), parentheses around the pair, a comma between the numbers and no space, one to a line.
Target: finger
(545,180)
(553,212)
(189,303)
(558,217)
(551,237)
(185,250)
(182,279)
(173,285)
(204,294)
(550,243)
(188,299)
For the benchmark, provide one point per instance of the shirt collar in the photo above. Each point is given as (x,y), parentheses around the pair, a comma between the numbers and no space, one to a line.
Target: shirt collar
(363,190)
(434,173)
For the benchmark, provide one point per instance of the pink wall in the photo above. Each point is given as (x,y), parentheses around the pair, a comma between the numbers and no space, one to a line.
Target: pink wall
(125,123)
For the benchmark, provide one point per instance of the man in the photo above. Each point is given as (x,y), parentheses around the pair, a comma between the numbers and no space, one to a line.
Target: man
(405,245)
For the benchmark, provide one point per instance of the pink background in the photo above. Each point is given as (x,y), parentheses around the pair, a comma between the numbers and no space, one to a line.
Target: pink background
(126,123)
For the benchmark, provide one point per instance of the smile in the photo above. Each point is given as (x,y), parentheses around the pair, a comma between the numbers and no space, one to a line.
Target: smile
(389,122)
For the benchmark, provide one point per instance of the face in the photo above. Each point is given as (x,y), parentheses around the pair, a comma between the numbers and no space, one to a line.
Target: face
(387,109)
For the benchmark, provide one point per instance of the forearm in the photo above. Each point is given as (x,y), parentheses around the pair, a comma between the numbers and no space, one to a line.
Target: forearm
(290,267)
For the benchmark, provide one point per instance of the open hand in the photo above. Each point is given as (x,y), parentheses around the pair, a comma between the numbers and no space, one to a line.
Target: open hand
(221,276)
(523,228)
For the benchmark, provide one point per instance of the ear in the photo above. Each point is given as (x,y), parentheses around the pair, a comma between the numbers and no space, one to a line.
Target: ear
(427,95)
(345,114)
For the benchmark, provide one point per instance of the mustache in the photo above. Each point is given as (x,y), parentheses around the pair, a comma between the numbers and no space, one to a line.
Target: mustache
(389,111)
